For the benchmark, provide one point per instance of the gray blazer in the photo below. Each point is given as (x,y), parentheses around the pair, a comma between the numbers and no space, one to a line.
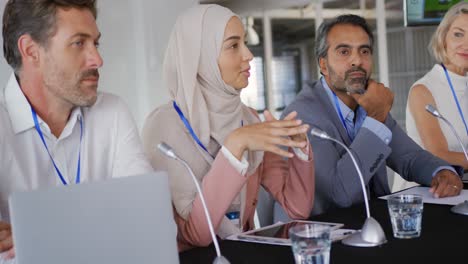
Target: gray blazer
(337,182)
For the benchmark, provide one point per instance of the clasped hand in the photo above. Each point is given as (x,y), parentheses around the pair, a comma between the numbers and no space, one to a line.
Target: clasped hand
(269,135)
(377,100)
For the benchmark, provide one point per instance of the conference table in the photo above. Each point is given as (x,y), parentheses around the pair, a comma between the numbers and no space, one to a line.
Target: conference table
(444,239)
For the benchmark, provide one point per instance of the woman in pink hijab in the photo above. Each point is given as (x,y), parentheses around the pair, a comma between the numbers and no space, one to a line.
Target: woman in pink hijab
(229,149)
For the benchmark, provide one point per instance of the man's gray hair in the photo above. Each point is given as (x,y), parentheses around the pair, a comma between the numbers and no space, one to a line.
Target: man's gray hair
(36,18)
(321,43)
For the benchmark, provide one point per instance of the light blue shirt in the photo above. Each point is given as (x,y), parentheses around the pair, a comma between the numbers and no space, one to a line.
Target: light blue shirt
(362,120)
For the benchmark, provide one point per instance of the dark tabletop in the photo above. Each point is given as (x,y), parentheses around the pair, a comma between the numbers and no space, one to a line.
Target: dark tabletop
(444,239)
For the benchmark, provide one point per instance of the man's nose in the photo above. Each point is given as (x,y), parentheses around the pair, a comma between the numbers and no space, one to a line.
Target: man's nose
(356,59)
(94,58)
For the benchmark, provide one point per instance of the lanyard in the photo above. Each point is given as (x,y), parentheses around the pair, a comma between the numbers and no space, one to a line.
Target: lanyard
(39,131)
(337,104)
(189,128)
(455,97)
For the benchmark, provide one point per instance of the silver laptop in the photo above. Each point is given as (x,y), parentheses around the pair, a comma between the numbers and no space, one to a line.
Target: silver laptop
(118,221)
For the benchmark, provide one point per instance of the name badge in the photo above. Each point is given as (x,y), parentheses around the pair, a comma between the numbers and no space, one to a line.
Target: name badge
(234,218)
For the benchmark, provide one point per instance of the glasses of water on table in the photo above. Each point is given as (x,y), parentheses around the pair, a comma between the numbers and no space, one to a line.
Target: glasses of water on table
(406,215)
(311,243)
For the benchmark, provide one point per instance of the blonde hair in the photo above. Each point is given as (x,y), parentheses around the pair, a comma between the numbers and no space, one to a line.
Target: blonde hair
(437,44)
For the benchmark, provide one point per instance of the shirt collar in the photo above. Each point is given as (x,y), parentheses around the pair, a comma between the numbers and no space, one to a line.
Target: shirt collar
(75,116)
(19,109)
(348,114)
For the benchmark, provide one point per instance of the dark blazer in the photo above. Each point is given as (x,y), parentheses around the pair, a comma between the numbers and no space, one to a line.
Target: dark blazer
(337,182)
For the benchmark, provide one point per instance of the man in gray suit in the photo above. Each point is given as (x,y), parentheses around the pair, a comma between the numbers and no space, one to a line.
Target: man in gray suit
(352,108)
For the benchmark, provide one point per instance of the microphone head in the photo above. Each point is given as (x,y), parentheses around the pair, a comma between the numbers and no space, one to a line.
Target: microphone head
(319,133)
(431,109)
(166,150)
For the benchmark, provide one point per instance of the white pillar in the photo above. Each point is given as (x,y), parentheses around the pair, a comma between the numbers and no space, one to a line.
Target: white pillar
(318,22)
(268,61)
(305,64)
(318,13)
(362,6)
(382,42)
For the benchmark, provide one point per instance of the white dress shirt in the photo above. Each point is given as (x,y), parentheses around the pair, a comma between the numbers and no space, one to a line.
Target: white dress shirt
(110,146)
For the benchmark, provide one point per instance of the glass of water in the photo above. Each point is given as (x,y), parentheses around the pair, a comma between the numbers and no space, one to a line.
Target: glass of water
(406,215)
(311,243)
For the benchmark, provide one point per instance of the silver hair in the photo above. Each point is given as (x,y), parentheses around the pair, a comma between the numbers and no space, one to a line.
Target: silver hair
(321,43)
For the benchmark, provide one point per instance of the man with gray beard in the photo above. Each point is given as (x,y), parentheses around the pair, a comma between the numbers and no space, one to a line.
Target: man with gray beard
(354,109)
(55,128)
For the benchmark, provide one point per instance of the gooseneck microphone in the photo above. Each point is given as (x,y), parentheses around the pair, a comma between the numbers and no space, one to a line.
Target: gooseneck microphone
(169,152)
(461,208)
(432,110)
(371,233)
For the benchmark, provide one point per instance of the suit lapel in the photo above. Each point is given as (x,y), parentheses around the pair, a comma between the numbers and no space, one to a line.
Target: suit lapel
(329,109)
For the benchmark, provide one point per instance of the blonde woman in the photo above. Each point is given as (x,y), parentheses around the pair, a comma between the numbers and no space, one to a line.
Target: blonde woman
(446,88)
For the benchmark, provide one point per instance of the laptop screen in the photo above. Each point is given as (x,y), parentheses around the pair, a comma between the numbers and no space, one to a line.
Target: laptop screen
(122,220)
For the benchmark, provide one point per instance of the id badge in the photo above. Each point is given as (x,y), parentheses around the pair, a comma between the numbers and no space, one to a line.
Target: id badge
(234,218)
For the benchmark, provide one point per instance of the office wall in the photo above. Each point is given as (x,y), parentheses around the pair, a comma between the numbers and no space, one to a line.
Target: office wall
(4,67)
(134,38)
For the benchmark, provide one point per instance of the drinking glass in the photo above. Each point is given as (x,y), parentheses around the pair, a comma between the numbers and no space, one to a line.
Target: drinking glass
(406,215)
(311,243)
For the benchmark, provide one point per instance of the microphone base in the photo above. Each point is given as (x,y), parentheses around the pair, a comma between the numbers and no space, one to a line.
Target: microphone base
(356,240)
(461,208)
(221,260)
(371,235)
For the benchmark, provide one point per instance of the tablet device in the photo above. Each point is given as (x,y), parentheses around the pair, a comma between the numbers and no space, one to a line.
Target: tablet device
(279,233)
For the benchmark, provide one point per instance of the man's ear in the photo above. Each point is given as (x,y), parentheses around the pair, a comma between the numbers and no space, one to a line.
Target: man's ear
(29,50)
(323,66)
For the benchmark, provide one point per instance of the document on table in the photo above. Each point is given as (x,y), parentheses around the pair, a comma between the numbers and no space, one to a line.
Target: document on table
(429,197)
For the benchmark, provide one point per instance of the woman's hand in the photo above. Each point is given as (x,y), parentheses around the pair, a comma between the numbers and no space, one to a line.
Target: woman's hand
(268,136)
(298,137)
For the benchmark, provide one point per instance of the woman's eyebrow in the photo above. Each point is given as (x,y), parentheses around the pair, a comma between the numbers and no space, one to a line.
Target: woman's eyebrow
(231,38)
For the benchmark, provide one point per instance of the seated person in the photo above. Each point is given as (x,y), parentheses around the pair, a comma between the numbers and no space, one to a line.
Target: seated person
(350,107)
(444,87)
(55,127)
(229,149)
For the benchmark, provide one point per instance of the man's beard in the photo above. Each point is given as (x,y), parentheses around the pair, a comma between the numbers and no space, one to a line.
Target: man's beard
(349,84)
(357,84)
(73,91)
(84,100)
